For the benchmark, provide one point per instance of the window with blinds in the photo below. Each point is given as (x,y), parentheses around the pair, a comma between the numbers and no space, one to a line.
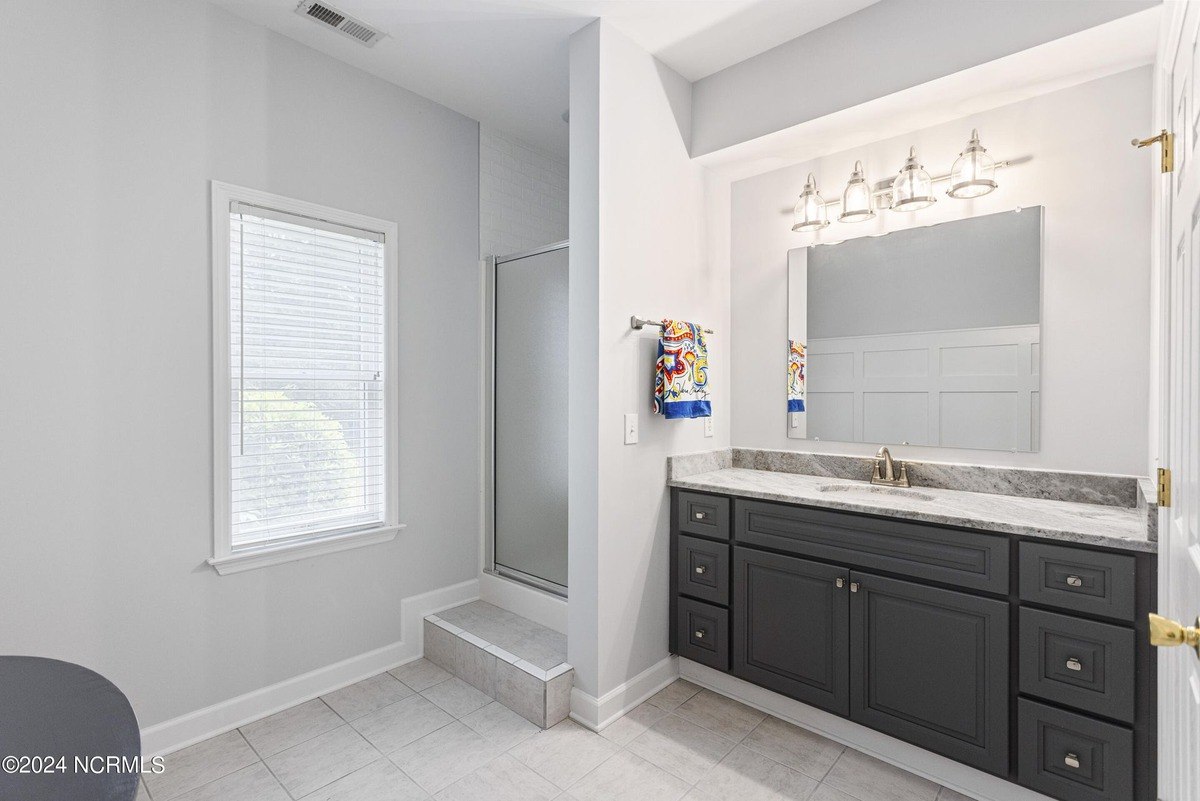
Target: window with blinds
(307,403)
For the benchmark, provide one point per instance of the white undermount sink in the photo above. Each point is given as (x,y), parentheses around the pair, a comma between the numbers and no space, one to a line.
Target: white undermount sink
(872,489)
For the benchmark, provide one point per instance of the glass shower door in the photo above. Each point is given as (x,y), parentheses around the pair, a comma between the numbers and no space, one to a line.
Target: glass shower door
(529,414)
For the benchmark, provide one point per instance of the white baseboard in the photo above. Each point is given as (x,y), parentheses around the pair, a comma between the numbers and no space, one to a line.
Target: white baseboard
(172,735)
(947,772)
(414,609)
(596,713)
(533,604)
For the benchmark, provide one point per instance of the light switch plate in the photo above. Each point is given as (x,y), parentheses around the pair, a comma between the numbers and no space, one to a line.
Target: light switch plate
(631,429)
(708,423)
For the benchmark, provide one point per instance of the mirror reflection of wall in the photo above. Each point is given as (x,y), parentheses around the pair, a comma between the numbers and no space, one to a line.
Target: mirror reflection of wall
(925,336)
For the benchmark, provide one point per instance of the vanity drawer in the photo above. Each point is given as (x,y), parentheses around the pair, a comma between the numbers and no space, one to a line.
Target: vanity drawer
(1093,582)
(702,569)
(706,515)
(703,633)
(1079,663)
(957,557)
(1073,757)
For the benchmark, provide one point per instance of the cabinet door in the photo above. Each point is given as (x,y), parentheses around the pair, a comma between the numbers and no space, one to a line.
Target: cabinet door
(930,666)
(791,627)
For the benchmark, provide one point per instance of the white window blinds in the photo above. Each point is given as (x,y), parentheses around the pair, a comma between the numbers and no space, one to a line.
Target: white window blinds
(307,433)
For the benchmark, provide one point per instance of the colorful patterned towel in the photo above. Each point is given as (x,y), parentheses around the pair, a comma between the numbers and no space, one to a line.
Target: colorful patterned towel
(681,378)
(795,376)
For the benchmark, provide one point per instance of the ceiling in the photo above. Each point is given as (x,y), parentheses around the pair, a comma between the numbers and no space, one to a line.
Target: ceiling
(504,62)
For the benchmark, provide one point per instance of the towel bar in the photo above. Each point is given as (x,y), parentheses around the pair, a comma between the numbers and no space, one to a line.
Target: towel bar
(637,324)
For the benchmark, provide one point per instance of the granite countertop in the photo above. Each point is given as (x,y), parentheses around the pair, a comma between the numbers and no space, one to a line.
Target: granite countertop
(1084,523)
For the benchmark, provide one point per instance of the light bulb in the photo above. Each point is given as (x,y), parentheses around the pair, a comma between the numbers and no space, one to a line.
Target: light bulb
(913,188)
(810,214)
(973,173)
(858,204)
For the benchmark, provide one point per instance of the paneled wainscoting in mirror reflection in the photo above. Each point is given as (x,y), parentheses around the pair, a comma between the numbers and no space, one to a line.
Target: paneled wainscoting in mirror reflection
(927,336)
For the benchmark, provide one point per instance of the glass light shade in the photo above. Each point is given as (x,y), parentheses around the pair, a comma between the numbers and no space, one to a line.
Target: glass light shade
(857,201)
(974,172)
(810,208)
(913,188)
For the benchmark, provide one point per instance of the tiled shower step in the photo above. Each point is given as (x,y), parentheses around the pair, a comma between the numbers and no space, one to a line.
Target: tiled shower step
(521,664)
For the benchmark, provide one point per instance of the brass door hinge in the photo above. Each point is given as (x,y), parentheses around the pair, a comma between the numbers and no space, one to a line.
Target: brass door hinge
(1164,486)
(1167,151)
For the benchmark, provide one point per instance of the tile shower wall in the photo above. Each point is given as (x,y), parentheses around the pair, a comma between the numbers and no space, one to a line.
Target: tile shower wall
(522,195)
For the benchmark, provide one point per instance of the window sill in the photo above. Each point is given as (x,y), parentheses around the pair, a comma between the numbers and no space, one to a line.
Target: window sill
(252,559)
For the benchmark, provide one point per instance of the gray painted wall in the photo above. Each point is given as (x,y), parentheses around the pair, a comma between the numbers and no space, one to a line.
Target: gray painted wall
(975,273)
(583,354)
(114,127)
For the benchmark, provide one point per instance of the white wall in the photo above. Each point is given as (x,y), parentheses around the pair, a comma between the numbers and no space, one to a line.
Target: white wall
(522,195)
(114,127)
(1096,271)
(885,48)
(639,246)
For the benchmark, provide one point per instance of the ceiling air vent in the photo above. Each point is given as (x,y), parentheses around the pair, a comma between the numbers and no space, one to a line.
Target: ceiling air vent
(340,22)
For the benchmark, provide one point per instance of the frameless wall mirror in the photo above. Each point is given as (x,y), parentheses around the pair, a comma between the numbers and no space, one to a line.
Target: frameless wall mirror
(927,336)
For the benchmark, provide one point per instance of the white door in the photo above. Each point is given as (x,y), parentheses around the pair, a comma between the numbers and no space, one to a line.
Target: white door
(1179,450)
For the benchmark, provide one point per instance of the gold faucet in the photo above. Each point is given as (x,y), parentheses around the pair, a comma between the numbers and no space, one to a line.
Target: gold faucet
(887,476)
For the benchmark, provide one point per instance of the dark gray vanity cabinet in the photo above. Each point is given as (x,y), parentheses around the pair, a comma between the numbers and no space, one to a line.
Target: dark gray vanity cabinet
(700,559)
(930,666)
(791,628)
(1024,658)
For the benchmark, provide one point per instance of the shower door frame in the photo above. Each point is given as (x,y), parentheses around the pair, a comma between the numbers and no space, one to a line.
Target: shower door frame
(489,266)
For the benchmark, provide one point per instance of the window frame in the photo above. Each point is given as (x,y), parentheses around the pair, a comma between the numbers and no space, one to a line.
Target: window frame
(226,558)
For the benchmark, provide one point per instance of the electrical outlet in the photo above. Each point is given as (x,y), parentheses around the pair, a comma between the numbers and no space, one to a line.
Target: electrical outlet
(708,423)
(631,429)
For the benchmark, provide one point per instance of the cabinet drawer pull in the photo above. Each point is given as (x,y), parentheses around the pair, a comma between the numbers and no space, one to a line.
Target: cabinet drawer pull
(854,586)
(1074,581)
(701,515)
(839,583)
(701,569)
(698,634)
(1071,761)
(1074,664)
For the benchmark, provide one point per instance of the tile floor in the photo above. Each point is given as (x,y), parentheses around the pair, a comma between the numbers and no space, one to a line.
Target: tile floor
(419,733)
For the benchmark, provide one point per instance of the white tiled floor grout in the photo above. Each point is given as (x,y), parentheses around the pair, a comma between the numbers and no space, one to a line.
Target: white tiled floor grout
(265,765)
(668,701)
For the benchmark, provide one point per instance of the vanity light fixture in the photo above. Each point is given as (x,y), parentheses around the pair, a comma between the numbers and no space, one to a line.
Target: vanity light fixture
(973,173)
(811,214)
(913,188)
(858,201)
